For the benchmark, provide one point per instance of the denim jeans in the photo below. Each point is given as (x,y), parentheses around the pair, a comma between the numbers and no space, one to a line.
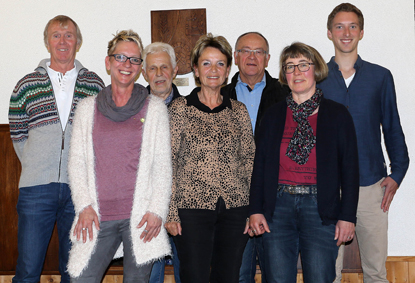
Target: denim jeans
(212,243)
(296,227)
(157,272)
(38,208)
(254,249)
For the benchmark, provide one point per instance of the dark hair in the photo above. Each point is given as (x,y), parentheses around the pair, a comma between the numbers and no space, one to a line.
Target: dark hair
(298,49)
(208,40)
(345,7)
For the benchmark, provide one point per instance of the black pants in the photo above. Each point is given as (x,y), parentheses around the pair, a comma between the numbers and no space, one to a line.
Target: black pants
(212,243)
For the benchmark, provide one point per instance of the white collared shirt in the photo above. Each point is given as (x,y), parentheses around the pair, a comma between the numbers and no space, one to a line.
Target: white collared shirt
(63,88)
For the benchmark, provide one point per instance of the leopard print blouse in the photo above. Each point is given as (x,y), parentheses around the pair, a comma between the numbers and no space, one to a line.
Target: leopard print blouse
(212,157)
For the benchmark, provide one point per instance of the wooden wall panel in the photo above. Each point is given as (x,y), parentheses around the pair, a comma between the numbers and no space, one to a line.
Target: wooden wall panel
(9,176)
(9,182)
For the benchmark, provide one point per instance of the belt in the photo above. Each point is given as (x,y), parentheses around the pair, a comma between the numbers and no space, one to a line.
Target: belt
(298,189)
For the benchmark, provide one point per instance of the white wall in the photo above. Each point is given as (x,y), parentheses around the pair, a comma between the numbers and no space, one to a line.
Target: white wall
(388,40)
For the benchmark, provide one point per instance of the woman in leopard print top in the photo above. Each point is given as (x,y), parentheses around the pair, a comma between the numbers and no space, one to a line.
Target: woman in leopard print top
(212,151)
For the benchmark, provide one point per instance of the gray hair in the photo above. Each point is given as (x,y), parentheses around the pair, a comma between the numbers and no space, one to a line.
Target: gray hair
(157,47)
(252,32)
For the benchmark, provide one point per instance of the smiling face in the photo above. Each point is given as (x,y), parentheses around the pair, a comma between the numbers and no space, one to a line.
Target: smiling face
(345,32)
(212,69)
(251,67)
(159,73)
(62,46)
(123,74)
(302,84)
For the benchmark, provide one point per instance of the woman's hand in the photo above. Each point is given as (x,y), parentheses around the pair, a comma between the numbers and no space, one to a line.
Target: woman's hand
(84,224)
(257,225)
(174,228)
(153,226)
(344,232)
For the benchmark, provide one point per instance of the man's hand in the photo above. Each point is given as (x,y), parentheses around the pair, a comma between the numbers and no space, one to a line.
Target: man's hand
(153,226)
(257,225)
(174,228)
(344,232)
(84,224)
(390,190)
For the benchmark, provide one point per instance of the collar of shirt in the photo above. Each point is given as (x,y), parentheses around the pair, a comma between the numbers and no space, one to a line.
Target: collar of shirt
(193,100)
(252,98)
(335,67)
(60,79)
(63,89)
(169,98)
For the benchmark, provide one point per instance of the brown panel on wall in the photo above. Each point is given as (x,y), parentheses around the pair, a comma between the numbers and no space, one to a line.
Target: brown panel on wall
(352,257)
(9,179)
(181,29)
(9,182)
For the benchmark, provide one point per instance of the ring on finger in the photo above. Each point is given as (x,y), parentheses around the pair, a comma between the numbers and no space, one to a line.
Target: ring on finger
(145,231)
(84,228)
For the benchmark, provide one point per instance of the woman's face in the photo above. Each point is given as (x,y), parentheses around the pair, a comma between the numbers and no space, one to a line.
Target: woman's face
(212,69)
(302,84)
(124,73)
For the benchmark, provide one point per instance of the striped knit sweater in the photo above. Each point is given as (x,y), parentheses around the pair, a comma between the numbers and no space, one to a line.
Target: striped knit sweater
(38,138)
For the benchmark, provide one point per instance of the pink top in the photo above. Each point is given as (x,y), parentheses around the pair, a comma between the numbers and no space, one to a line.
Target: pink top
(117,148)
(291,173)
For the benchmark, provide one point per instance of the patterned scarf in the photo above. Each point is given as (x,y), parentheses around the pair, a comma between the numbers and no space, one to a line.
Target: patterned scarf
(303,139)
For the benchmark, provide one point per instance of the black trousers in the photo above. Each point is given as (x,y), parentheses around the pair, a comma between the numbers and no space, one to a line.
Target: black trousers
(212,243)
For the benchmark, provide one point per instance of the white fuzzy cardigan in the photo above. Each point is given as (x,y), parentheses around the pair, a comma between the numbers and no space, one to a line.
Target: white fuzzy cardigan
(152,190)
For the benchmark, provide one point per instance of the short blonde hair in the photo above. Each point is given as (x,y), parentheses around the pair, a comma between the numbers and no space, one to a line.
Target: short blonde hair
(298,49)
(63,22)
(208,40)
(124,35)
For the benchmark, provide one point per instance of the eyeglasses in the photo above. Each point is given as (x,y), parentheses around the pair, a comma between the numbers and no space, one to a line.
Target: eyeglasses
(302,67)
(248,52)
(122,58)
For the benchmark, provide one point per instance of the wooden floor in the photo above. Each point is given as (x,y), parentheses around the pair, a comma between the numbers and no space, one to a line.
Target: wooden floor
(400,269)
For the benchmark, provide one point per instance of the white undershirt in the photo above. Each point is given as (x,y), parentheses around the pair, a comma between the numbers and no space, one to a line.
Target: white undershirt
(349,80)
(63,88)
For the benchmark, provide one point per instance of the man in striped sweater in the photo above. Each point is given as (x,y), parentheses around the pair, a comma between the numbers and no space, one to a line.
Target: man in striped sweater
(41,110)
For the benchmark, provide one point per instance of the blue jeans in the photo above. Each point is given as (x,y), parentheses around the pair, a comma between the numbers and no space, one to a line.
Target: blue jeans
(296,227)
(38,208)
(254,248)
(157,273)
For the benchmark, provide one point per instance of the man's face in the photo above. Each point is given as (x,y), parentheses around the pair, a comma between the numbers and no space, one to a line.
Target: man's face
(251,67)
(345,32)
(159,73)
(62,45)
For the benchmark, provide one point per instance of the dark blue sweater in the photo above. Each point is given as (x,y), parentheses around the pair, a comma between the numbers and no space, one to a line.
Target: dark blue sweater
(371,100)
(337,163)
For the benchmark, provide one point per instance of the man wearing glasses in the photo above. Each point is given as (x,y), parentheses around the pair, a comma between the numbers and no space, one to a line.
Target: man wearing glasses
(368,91)
(41,110)
(254,86)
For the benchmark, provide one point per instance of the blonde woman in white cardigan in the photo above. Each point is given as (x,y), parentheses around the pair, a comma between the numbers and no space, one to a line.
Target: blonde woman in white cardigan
(120,172)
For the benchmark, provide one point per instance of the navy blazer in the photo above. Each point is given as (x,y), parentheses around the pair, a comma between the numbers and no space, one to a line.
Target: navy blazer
(337,163)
